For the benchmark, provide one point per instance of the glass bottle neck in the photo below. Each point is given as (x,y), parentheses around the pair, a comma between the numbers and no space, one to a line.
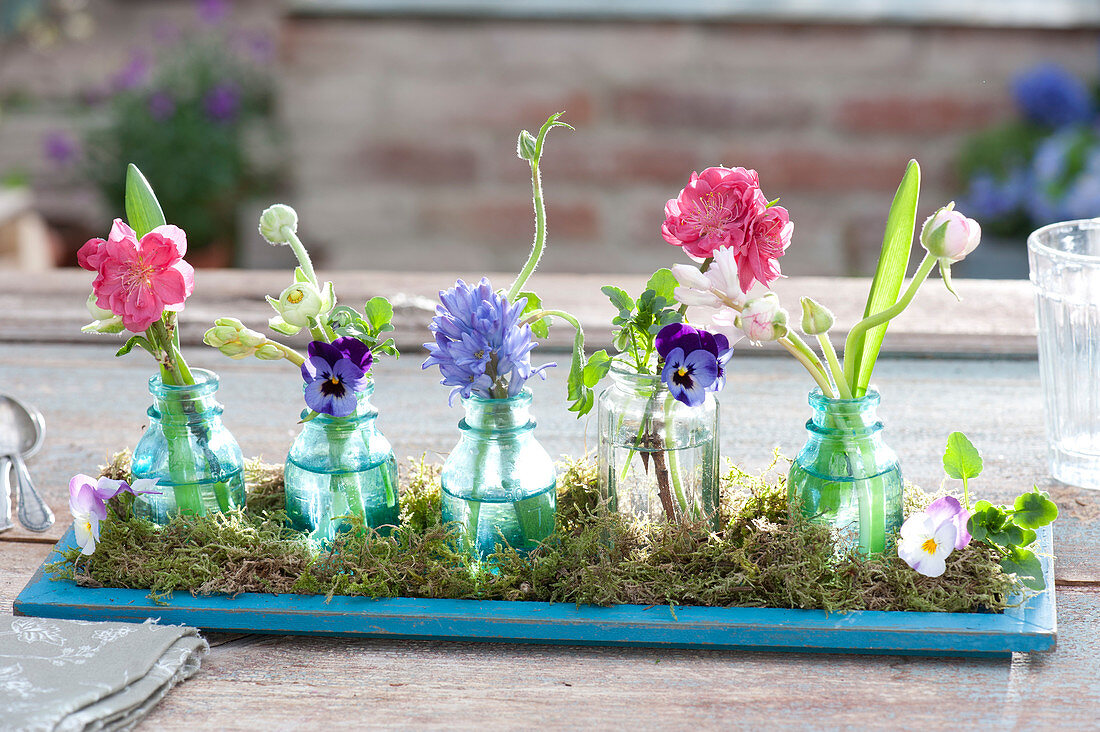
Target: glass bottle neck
(844,416)
(187,403)
(635,384)
(498,416)
(365,412)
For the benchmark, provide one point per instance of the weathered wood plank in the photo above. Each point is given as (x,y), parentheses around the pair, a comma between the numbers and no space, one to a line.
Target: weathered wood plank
(993,318)
(18,563)
(270,683)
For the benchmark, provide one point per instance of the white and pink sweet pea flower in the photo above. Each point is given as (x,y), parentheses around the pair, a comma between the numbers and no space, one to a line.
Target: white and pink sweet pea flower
(763,319)
(718,286)
(139,280)
(928,538)
(949,236)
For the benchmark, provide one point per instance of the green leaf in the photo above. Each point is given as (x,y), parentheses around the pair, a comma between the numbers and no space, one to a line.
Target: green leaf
(961,460)
(135,341)
(1034,509)
(1026,566)
(1011,535)
(987,519)
(142,208)
(619,298)
(663,283)
(378,313)
(300,276)
(892,265)
(599,363)
(540,328)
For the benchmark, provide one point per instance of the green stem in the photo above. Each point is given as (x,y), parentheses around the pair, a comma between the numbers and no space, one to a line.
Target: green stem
(834,365)
(797,348)
(302,255)
(674,460)
(881,317)
(540,234)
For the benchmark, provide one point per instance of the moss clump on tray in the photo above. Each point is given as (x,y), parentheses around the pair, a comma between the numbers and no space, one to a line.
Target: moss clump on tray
(762,558)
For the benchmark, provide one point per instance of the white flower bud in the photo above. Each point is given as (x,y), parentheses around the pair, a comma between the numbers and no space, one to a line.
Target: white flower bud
(763,319)
(104,321)
(273,221)
(816,318)
(949,236)
(269,352)
(232,338)
(298,304)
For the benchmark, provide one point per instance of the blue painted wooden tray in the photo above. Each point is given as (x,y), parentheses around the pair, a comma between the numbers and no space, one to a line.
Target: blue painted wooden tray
(1030,627)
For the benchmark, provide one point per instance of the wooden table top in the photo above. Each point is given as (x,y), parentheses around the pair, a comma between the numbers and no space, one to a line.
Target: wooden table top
(968,367)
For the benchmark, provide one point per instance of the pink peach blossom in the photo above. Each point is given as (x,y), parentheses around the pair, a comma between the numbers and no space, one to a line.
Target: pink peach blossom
(715,209)
(768,237)
(135,280)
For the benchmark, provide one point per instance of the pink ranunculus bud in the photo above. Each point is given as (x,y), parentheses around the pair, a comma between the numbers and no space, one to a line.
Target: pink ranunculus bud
(949,236)
(763,319)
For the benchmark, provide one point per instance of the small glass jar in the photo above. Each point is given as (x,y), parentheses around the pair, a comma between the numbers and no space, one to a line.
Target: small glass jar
(194,459)
(658,457)
(846,476)
(498,482)
(341,466)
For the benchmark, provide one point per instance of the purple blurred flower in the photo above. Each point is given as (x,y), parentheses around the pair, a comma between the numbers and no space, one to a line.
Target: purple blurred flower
(1050,95)
(212,12)
(134,73)
(162,105)
(60,148)
(334,373)
(989,198)
(222,102)
(480,346)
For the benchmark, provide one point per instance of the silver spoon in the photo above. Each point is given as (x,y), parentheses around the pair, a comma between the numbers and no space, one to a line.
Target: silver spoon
(22,430)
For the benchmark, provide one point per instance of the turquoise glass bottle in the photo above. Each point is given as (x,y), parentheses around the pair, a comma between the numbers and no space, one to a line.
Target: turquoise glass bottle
(341,467)
(499,483)
(846,476)
(194,459)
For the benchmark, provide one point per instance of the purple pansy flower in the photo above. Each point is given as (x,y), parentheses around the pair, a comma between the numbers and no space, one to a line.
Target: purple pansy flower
(88,498)
(689,375)
(480,346)
(334,373)
(694,361)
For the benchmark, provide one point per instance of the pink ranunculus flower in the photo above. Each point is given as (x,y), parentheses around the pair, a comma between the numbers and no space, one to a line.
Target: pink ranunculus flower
(715,209)
(135,280)
(767,240)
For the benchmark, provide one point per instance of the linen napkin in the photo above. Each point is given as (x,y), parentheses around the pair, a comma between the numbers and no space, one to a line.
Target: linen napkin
(70,675)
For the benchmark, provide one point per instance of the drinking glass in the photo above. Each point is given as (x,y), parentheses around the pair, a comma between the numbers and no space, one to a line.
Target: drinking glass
(1065,269)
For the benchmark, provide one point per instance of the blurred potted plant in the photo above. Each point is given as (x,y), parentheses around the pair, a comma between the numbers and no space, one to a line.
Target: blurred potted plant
(197,117)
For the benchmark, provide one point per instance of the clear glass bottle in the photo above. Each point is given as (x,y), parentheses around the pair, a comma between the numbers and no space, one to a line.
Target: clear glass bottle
(845,475)
(499,482)
(341,466)
(658,457)
(187,449)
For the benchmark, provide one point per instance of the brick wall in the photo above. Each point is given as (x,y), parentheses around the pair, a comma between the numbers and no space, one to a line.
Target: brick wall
(402,131)
(405,130)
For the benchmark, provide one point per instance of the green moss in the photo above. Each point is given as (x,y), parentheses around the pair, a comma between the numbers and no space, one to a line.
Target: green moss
(763,557)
